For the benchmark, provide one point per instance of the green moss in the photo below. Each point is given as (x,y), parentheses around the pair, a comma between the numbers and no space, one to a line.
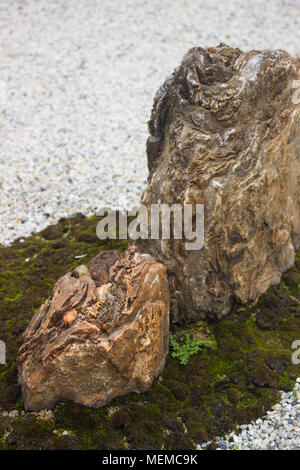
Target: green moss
(233,381)
(13,295)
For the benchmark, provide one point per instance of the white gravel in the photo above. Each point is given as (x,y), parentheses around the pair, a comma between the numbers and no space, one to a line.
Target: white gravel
(80,78)
(279,430)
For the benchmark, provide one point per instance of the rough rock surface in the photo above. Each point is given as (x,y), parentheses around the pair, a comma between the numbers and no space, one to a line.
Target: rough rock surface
(102,333)
(225,133)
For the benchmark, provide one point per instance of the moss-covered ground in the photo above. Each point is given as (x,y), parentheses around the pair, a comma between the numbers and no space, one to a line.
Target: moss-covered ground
(234,380)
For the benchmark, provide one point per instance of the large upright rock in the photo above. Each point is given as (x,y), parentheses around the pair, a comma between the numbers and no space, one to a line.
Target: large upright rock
(103,333)
(225,132)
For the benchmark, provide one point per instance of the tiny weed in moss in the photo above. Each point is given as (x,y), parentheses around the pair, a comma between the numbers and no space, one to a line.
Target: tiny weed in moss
(68,227)
(189,348)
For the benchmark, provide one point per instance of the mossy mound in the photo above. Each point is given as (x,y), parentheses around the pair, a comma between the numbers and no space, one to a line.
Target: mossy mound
(234,380)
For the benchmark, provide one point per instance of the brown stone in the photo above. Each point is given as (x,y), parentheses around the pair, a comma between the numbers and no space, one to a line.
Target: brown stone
(103,333)
(225,132)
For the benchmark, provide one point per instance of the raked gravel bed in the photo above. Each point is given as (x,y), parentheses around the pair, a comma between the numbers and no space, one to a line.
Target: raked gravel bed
(80,78)
(77,80)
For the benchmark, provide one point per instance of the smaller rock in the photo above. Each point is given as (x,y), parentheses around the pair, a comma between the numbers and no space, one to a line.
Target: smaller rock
(13,414)
(104,332)
(46,415)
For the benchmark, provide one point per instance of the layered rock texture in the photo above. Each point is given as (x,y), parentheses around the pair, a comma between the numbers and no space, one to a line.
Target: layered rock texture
(103,333)
(225,132)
